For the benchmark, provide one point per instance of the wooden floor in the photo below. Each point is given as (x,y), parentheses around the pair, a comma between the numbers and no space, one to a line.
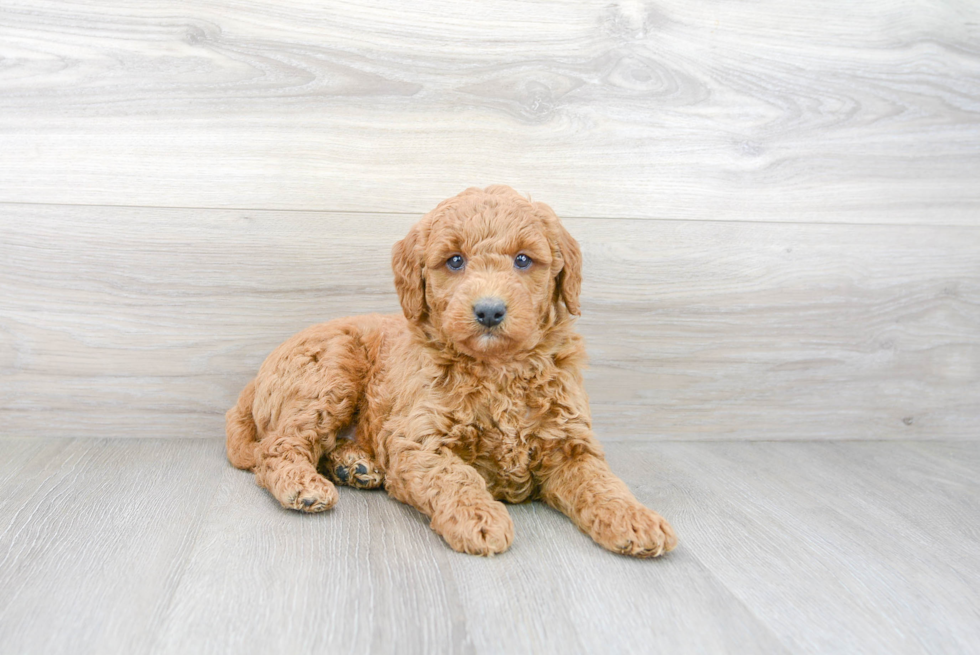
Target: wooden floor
(159,546)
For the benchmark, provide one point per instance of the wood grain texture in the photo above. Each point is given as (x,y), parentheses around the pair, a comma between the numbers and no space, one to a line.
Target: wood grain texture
(159,546)
(857,547)
(832,112)
(94,537)
(371,576)
(147,322)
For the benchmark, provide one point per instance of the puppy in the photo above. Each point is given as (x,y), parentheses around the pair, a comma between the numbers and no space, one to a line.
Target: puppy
(472,397)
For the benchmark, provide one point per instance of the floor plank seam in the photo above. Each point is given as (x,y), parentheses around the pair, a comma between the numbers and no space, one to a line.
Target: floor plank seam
(706,570)
(185,561)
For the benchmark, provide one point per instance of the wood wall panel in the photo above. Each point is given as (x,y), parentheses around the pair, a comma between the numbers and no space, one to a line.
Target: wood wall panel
(147,322)
(831,112)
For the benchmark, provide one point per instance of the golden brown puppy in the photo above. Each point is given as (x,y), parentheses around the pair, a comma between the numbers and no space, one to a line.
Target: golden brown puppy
(472,397)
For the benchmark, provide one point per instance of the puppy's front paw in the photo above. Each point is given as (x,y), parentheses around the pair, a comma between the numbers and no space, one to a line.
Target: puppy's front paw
(307,493)
(485,530)
(633,530)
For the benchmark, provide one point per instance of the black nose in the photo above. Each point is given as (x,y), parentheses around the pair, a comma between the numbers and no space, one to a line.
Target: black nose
(489,311)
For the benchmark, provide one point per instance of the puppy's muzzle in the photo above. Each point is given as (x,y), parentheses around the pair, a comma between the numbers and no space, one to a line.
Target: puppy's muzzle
(489,312)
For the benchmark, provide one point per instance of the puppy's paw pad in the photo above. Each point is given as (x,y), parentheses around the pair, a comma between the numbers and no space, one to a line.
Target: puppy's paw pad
(350,465)
(366,477)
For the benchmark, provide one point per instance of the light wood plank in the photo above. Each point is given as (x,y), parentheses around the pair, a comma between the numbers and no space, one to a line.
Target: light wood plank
(142,322)
(130,322)
(834,111)
(370,576)
(585,601)
(160,546)
(360,578)
(93,540)
(849,547)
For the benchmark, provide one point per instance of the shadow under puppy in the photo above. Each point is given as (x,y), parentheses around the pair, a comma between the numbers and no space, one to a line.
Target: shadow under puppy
(474,396)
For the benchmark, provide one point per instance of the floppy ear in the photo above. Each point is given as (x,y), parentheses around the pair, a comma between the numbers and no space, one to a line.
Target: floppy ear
(569,280)
(406,262)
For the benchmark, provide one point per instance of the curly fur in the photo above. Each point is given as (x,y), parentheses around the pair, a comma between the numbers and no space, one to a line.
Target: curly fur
(452,416)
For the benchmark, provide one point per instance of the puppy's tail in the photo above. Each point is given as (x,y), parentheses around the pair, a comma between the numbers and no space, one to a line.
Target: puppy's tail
(240,435)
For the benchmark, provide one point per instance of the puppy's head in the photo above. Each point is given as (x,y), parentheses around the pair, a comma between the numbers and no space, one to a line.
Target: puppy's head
(489,271)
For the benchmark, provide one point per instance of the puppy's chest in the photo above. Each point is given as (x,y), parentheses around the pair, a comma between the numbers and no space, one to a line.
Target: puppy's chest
(498,440)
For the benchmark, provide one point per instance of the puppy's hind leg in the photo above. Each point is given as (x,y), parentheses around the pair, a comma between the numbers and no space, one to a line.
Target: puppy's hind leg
(311,397)
(349,464)
(286,466)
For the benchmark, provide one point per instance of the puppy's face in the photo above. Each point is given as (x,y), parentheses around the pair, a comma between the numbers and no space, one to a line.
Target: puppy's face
(489,271)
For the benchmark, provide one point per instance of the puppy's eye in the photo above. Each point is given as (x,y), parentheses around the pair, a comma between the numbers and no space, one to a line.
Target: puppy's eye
(456,263)
(522,261)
